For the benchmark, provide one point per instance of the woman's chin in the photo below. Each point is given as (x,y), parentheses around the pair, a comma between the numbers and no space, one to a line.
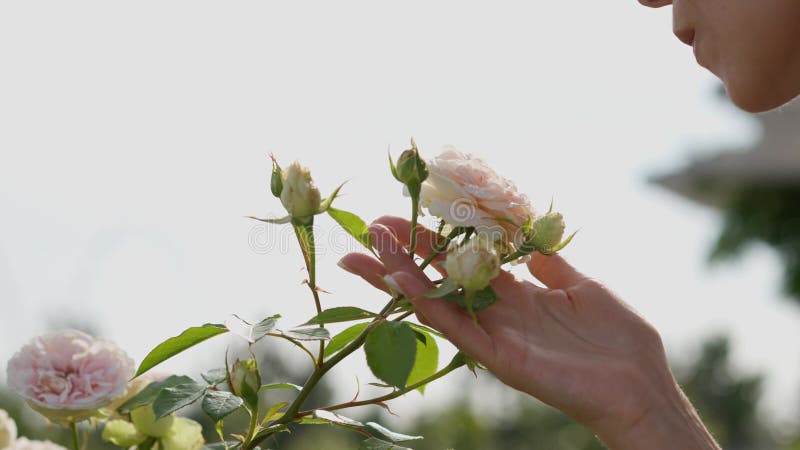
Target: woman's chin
(759,97)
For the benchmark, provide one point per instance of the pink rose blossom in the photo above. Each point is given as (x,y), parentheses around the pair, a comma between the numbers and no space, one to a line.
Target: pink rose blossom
(464,191)
(68,375)
(24,444)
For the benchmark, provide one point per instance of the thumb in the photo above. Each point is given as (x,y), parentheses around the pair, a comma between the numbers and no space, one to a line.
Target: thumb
(554,271)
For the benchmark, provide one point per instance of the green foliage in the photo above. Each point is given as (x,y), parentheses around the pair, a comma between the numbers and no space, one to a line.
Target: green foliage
(353,225)
(345,337)
(219,404)
(726,401)
(391,350)
(176,397)
(177,344)
(426,361)
(765,214)
(340,314)
(148,395)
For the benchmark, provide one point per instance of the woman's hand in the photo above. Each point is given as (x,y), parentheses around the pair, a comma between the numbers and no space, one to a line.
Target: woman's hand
(572,344)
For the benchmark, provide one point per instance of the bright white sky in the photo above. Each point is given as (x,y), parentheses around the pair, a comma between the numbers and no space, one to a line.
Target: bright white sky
(134,137)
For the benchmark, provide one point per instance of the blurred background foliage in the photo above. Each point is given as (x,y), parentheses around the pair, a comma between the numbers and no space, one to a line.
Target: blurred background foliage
(728,402)
(766,214)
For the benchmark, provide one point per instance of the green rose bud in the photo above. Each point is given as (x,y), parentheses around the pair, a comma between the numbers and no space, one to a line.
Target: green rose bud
(184,434)
(122,433)
(411,168)
(276,181)
(299,195)
(548,230)
(246,381)
(145,421)
(474,264)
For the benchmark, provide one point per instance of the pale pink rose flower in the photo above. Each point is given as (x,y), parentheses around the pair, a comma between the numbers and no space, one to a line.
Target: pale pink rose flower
(24,444)
(464,191)
(68,375)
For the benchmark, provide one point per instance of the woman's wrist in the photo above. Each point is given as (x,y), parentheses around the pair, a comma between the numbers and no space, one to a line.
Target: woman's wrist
(668,422)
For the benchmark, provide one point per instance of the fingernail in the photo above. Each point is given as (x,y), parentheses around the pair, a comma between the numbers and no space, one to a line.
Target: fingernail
(341,264)
(393,286)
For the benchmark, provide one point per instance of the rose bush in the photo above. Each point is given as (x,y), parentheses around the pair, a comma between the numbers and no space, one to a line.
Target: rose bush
(484,223)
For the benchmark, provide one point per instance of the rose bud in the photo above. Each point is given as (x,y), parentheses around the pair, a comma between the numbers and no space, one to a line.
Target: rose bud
(122,433)
(474,264)
(8,429)
(144,418)
(548,230)
(299,195)
(246,381)
(185,434)
(276,181)
(411,168)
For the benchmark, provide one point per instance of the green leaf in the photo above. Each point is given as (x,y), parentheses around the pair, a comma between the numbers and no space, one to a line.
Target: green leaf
(448,286)
(177,344)
(268,387)
(280,221)
(341,314)
(312,421)
(147,395)
(308,334)
(391,349)
(424,329)
(273,412)
(353,225)
(345,337)
(218,404)
(174,398)
(426,362)
(480,300)
(215,376)
(377,444)
(381,432)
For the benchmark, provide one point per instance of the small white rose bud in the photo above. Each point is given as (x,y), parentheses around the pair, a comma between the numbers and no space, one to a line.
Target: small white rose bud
(185,434)
(299,195)
(144,418)
(548,230)
(8,430)
(474,264)
(122,433)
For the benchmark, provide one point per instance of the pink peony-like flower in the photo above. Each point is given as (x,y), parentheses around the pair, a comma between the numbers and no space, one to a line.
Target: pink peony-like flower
(68,375)
(464,191)
(24,444)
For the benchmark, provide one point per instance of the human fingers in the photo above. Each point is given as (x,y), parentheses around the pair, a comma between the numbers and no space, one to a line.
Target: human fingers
(392,253)
(367,267)
(554,271)
(427,240)
(446,317)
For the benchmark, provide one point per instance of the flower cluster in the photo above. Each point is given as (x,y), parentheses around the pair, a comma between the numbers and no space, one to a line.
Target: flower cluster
(485,222)
(495,222)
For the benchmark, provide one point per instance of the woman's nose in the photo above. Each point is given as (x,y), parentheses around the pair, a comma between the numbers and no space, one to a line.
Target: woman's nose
(655,3)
